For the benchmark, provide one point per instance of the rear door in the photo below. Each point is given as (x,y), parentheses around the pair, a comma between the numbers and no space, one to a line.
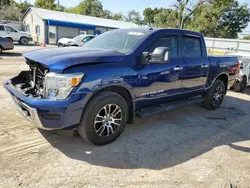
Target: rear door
(195,63)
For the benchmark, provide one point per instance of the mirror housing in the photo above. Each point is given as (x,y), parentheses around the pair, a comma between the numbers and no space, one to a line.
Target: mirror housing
(160,55)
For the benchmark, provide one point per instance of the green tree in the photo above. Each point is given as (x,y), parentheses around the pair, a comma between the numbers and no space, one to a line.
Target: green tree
(246,37)
(106,14)
(4,2)
(89,8)
(23,6)
(149,16)
(166,18)
(46,4)
(118,16)
(60,8)
(134,16)
(221,18)
(10,13)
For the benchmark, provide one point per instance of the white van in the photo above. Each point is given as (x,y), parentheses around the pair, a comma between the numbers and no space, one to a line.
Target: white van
(7,31)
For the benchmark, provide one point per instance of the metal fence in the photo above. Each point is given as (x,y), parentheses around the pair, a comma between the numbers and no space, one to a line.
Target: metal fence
(227,45)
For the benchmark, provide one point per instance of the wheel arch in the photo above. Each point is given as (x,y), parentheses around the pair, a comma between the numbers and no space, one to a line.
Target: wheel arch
(222,76)
(123,92)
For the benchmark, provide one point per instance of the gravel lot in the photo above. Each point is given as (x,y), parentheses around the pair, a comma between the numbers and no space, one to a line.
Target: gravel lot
(188,147)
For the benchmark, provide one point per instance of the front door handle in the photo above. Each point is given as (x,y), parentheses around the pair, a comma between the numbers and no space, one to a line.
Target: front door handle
(204,66)
(177,68)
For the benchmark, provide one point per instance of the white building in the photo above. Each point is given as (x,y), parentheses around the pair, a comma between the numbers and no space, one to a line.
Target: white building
(49,26)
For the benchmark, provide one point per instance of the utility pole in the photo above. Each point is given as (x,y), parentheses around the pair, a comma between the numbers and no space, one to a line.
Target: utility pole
(183,13)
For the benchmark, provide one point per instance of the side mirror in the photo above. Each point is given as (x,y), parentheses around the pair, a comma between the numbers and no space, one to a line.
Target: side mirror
(160,55)
(145,58)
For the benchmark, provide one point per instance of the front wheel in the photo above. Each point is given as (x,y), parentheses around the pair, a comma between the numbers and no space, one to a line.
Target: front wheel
(104,119)
(215,95)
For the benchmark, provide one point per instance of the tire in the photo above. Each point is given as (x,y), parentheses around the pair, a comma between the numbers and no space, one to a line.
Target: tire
(95,126)
(24,41)
(60,45)
(214,97)
(241,86)
(1,49)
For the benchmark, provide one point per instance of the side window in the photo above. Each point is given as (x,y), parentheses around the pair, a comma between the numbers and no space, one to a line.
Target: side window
(10,29)
(192,47)
(170,42)
(2,28)
(38,30)
(86,39)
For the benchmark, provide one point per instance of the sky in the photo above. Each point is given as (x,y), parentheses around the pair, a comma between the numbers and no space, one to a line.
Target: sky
(124,6)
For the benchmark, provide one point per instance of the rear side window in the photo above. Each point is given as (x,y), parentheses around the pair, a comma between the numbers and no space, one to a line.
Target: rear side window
(192,47)
(1,28)
(169,42)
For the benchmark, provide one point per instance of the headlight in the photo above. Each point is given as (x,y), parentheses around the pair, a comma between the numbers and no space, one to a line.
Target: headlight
(59,86)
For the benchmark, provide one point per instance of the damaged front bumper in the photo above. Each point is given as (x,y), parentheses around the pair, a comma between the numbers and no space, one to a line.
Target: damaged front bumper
(49,114)
(28,113)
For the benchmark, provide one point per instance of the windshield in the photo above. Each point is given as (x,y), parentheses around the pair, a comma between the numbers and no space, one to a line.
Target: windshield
(78,38)
(121,41)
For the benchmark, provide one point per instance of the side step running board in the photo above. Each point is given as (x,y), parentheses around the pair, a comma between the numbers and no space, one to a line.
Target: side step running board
(163,108)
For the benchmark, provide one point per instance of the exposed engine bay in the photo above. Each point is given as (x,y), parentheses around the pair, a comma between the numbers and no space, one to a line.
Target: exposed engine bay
(31,82)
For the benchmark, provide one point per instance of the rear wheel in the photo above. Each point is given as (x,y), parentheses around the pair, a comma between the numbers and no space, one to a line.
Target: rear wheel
(215,95)
(104,118)
(24,41)
(1,49)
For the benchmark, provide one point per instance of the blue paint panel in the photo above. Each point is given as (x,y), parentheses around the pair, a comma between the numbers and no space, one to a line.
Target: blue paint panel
(70,24)
(146,83)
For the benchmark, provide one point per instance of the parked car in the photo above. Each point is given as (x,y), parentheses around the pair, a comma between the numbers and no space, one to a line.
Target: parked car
(242,79)
(5,44)
(79,40)
(119,75)
(9,32)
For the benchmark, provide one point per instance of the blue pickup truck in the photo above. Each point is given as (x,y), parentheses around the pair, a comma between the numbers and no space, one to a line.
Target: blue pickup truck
(117,76)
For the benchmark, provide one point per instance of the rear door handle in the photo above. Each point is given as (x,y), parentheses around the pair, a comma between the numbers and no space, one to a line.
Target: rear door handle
(204,66)
(177,68)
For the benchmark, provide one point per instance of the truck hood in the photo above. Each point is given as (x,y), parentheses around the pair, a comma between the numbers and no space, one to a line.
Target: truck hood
(58,59)
(65,40)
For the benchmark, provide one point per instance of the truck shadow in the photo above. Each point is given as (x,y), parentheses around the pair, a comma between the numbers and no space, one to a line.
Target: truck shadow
(10,54)
(165,141)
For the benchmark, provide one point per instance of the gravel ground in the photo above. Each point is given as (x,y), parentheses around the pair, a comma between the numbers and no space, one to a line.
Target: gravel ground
(189,147)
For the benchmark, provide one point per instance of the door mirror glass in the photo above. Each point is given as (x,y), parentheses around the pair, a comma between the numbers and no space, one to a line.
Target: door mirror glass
(160,55)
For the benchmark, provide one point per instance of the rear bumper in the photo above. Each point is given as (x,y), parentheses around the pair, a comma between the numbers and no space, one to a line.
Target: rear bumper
(47,114)
(8,47)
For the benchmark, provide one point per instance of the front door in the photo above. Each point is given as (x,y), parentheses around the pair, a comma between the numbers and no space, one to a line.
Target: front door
(12,33)
(160,80)
(196,64)
(2,31)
